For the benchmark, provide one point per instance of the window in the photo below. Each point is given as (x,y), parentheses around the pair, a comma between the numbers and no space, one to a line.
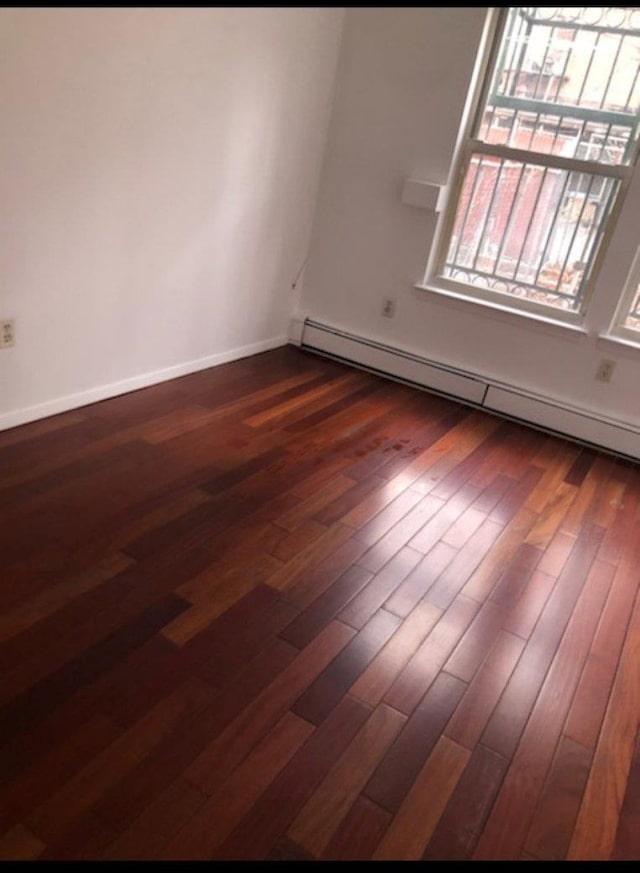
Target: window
(627,320)
(549,154)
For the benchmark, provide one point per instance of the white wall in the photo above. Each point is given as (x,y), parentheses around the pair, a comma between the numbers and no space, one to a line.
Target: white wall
(158,174)
(403,78)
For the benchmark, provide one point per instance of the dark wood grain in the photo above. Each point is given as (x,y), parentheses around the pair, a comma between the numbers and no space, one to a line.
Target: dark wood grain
(33,703)
(376,679)
(399,535)
(310,622)
(396,772)
(464,818)
(283,609)
(423,668)
(359,833)
(328,805)
(147,834)
(230,747)
(580,468)
(363,606)
(627,842)
(523,784)
(325,692)
(595,830)
(270,817)
(474,711)
(205,831)
(552,825)
(509,718)
(410,831)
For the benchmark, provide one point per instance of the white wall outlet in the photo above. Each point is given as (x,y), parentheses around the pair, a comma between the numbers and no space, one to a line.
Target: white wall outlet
(7,333)
(388,307)
(604,373)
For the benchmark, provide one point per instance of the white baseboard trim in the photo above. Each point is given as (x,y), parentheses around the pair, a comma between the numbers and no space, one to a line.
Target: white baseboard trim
(393,362)
(582,425)
(113,389)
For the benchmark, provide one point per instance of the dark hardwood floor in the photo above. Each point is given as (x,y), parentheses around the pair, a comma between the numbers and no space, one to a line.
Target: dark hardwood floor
(283,609)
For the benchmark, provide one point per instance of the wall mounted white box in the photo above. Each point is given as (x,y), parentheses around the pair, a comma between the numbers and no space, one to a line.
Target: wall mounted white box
(424,195)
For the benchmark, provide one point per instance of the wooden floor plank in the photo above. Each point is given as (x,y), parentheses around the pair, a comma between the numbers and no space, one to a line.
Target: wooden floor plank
(328,805)
(444,519)
(596,826)
(414,680)
(419,581)
(525,613)
(34,702)
(516,575)
(399,535)
(377,591)
(286,576)
(479,701)
(83,840)
(282,609)
(554,819)
(592,695)
(314,618)
(215,819)
(340,506)
(464,818)
(398,769)
(250,725)
(518,797)
(381,523)
(476,642)
(20,844)
(34,785)
(627,842)
(57,593)
(377,678)
(305,534)
(278,806)
(326,691)
(454,577)
(510,716)
(359,833)
(316,579)
(78,795)
(418,817)
(484,578)
(155,826)
(308,508)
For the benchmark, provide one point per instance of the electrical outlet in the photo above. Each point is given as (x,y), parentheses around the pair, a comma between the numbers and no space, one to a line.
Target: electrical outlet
(7,333)
(388,307)
(604,373)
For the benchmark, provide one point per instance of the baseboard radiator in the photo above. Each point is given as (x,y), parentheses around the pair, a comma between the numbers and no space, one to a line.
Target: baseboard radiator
(509,401)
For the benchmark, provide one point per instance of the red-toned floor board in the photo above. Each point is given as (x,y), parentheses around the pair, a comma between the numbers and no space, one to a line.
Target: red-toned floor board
(284,609)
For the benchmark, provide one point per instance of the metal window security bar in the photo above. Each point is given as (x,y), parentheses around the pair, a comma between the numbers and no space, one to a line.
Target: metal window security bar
(551,146)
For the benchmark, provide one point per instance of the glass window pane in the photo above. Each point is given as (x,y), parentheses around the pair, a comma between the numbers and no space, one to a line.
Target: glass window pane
(566,83)
(528,230)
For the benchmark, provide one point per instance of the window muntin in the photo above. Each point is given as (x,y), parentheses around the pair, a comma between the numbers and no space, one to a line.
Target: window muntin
(552,143)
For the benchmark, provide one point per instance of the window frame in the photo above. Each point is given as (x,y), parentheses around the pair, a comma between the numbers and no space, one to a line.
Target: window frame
(490,46)
(618,328)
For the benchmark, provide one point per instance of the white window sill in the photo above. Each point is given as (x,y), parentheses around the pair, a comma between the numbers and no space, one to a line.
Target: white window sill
(502,312)
(619,343)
